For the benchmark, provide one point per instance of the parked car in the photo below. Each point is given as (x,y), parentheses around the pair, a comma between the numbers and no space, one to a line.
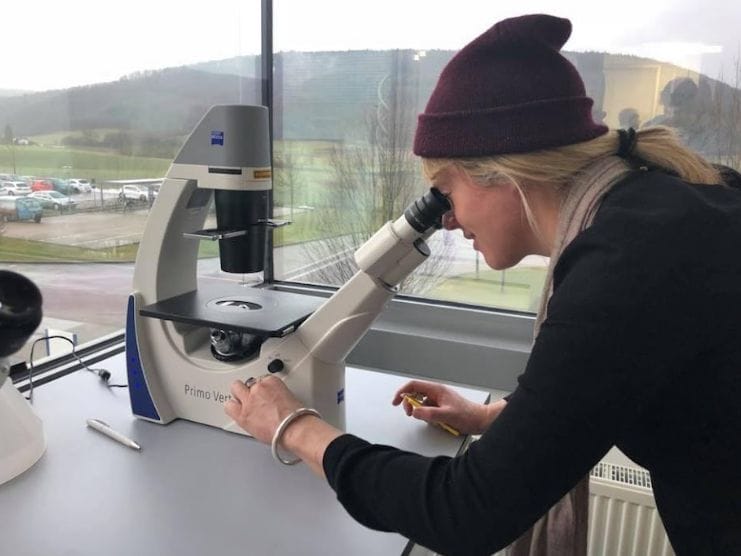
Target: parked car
(80,185)
(12,177)
(133,193)
(20,208)
(42,185)
(54,200)
(62,186)
(14,188)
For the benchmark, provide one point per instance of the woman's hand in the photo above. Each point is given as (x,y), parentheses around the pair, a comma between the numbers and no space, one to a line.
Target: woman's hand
(444,405)
(260,408)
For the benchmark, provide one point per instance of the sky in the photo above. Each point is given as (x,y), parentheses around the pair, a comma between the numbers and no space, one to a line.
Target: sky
(64,44)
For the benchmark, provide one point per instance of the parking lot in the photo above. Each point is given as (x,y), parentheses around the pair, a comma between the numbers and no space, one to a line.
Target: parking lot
(99,219)
(95,230)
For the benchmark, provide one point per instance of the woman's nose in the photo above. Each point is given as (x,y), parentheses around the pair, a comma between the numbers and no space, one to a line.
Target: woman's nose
(449,221)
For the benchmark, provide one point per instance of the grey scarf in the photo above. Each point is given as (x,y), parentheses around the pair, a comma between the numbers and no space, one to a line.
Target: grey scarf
(562,531)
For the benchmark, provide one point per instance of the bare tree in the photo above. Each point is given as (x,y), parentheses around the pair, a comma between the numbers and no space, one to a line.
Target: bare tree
(286,178)
(10,144)
(728,121)
(375,179)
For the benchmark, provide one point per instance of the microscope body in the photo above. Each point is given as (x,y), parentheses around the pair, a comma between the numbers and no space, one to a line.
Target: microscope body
(175,326)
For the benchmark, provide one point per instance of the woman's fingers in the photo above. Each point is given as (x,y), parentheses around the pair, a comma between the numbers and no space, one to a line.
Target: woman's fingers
(232,408)
(429,389)
(239,390)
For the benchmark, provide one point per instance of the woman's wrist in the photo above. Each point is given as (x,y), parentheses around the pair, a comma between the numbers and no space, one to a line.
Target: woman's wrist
(289,420)
(308,437)
(296,431)
(491,412)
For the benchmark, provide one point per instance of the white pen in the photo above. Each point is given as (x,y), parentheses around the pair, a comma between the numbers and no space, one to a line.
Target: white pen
(104,428)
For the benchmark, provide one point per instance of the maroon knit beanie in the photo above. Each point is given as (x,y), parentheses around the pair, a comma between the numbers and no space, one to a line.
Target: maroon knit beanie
(508,91)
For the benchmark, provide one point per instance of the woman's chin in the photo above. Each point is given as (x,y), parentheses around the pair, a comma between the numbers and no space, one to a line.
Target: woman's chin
(498,263)
(492,262)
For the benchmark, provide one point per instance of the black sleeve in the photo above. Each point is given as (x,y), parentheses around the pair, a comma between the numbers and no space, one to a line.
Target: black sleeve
(594,367)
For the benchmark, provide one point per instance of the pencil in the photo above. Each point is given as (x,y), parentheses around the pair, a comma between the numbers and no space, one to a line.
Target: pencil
(416,403)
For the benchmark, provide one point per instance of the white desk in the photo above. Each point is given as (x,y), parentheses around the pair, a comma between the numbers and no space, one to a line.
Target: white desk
(193,489)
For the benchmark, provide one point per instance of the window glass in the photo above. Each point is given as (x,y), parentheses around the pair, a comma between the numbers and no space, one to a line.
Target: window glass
(94,116)
(351,77)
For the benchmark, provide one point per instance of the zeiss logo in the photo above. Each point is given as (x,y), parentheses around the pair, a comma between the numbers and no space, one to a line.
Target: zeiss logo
(217,138)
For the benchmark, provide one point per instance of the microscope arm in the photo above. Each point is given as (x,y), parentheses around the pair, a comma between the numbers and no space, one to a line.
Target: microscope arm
(388,257)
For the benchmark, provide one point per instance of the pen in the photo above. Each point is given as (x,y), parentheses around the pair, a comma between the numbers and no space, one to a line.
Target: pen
(104,428)
(417,403)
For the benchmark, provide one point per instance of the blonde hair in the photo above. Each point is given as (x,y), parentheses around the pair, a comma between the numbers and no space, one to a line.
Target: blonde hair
(656,146)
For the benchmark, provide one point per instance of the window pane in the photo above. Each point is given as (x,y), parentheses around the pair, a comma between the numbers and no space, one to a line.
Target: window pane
(95,100)
(351,77)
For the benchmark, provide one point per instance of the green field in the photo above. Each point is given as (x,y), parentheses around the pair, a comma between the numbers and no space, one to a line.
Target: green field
(14,250)
(518,289)
(61,162)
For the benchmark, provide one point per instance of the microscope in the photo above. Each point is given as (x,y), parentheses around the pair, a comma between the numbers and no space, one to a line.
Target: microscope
(22,440)
(187,342)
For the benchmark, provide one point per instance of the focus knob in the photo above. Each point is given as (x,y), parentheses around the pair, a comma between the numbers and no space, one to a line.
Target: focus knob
(276,366)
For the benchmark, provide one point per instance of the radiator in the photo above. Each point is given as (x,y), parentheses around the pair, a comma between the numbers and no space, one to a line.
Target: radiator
(623,520)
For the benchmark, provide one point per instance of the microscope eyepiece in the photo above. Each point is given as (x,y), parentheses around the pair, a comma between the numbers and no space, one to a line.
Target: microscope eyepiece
(20,311)
(427,211)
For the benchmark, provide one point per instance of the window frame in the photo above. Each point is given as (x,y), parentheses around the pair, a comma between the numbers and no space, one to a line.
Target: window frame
(413,336)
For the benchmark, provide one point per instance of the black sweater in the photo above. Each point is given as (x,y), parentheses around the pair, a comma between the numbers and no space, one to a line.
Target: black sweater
(641,349)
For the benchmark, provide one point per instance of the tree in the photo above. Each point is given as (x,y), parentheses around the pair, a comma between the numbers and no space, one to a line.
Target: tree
(287,179)
(375,179)
(10,144)
(726,116)
(120,141)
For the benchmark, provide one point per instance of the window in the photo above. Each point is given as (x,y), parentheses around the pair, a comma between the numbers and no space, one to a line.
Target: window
(351,77)
(98,116)
(90,120)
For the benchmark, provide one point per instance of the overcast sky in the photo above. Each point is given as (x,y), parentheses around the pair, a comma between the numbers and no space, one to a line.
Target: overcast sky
(50,44)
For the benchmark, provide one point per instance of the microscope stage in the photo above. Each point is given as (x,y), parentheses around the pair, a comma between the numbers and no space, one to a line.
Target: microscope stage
(257,311)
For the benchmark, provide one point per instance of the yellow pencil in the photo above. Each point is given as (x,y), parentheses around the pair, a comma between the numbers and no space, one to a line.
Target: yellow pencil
(417,403)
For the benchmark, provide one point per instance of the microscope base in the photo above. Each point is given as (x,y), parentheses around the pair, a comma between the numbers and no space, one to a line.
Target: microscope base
(22,433)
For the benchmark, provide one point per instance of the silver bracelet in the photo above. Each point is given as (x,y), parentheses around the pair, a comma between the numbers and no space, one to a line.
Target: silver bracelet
(282,428)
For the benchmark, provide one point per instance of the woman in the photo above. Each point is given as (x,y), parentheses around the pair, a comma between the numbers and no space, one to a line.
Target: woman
(638,341)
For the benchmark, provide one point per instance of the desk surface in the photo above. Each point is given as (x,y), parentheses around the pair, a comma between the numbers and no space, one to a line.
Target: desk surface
(193,489)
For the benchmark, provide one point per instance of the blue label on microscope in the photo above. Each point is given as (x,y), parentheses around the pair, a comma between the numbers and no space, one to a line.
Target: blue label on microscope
(217,138)
(340,396)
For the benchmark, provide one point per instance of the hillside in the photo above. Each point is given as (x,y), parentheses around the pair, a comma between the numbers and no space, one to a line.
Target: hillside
(168,101)
(329,95)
